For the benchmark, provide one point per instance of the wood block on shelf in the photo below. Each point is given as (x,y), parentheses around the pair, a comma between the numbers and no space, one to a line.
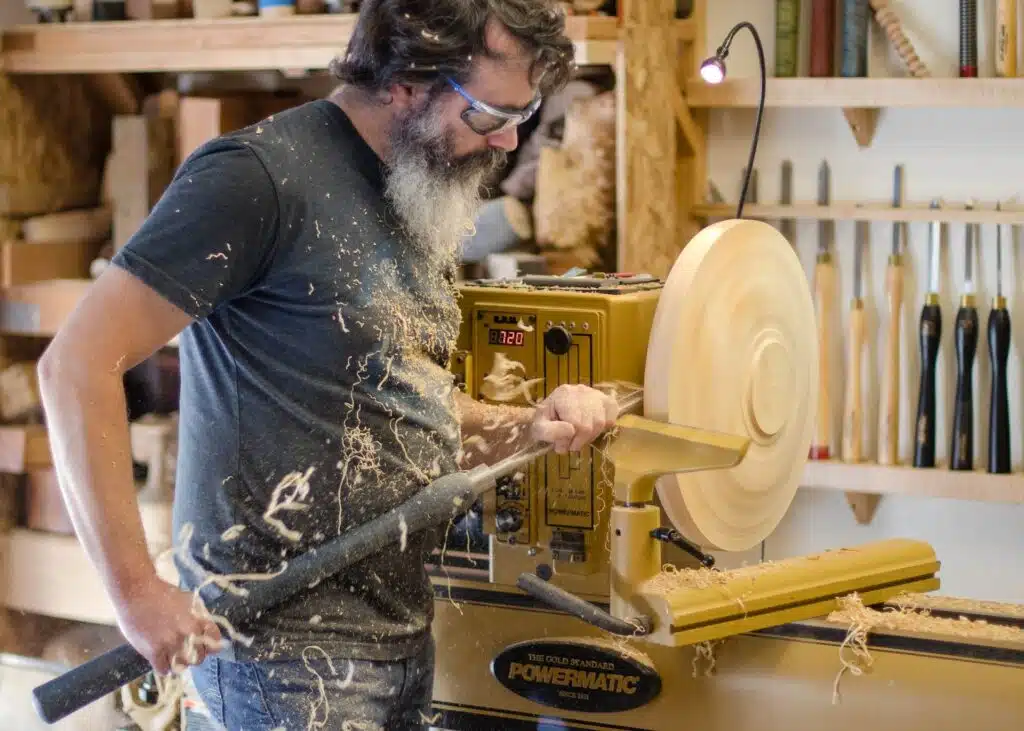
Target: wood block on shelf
(202,118)
(40,308)
(22,262)
(24,448)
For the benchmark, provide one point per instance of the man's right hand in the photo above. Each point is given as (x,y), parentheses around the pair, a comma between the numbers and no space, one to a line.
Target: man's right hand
(158,619)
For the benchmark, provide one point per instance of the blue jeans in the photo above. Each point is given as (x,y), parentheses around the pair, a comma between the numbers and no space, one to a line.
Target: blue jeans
(318,693)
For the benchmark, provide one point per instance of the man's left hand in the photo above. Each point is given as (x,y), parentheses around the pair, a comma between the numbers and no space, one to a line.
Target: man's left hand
(573,416)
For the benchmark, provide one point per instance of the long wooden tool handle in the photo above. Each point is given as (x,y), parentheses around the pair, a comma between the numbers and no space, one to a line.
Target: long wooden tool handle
(1006,38)
(824,294)
(961,450)
(930,334)
(999,409)
(853,418)
(888,440)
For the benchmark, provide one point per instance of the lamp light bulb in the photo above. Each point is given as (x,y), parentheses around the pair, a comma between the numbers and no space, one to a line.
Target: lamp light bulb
(713,70)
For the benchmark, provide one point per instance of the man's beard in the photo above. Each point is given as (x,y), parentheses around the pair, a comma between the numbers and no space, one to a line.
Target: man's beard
(435,195)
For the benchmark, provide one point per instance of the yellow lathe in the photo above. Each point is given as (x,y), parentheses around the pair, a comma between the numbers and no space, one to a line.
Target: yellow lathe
(557,606)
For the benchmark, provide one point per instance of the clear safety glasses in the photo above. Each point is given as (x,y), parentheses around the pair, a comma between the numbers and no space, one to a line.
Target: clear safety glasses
(487,119)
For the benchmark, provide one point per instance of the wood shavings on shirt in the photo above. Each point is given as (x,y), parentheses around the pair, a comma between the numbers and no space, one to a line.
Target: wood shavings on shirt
(280,500)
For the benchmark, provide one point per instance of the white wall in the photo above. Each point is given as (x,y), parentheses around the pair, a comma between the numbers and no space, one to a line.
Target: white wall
(951,154)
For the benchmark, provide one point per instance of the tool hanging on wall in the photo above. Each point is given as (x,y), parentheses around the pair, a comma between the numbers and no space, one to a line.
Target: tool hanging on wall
(968,38)
(824,296)
(999,350)
(855,38)
(751,186)
(965,338)
(787,226)
(787,37)
(1006,38)
(930,337)
(853,418)
(889,428)
(823,37)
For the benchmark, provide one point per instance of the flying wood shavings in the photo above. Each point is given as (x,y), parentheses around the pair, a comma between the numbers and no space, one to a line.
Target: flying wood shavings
(863,620)
(504,383)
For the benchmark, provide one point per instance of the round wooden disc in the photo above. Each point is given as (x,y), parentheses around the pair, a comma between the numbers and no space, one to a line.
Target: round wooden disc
(733,349)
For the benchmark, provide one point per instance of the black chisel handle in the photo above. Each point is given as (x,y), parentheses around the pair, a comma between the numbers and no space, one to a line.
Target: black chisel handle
(930,336)
(965,336)
(999,409)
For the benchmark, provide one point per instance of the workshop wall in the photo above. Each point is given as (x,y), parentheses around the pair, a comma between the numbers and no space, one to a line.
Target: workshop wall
(956,154)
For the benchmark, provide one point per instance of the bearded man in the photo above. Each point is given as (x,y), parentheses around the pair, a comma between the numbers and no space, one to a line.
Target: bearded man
(308,263)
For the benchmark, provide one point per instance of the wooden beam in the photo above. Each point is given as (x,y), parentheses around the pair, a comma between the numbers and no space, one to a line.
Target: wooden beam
(852,211)
(222,44)
(860,92)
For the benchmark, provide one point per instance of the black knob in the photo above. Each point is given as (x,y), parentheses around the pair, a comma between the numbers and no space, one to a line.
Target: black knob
(508,520)
(558,340)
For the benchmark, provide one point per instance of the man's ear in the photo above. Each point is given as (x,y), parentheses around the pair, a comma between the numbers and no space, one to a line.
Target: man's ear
(406,96)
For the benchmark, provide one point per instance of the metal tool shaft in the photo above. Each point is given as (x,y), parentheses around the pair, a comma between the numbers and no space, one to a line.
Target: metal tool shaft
(787,225)
(897,202)
(825,226)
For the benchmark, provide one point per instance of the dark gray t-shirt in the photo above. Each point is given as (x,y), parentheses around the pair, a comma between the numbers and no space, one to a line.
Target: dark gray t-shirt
(315,393)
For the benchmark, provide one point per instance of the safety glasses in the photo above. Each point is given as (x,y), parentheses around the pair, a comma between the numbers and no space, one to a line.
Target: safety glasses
(487,119)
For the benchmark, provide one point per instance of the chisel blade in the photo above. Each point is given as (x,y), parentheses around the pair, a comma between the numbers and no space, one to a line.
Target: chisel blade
(824,225)
(859,249)
(934,251)
(787,225)
(999,256)
(969,244)
(897,202)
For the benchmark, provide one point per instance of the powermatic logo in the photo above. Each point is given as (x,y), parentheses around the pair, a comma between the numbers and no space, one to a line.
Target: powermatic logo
(576,674)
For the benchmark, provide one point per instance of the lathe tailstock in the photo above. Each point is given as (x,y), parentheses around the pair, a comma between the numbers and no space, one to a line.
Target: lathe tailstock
(581,593)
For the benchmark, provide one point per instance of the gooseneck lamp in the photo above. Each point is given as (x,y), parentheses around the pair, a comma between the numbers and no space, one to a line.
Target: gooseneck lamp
(713,72)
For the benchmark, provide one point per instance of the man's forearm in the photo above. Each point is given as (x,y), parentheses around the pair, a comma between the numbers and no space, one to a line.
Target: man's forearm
(87,424)
(492,432)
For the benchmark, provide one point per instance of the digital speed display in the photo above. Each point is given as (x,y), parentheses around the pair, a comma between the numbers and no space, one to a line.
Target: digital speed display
(506,337)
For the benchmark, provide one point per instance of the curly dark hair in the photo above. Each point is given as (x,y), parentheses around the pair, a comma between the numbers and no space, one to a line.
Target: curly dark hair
(423,41)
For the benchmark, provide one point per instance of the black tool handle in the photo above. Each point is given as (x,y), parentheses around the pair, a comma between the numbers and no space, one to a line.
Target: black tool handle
(930,337)
(434,505)
(965,335)
(999,409)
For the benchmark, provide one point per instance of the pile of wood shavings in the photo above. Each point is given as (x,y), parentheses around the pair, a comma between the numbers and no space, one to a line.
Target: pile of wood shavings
(906,618)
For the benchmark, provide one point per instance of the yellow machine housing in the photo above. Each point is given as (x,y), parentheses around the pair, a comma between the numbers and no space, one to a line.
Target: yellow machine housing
(507,662)
(594,333)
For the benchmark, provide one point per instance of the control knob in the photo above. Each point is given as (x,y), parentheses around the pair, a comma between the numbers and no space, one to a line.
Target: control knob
(508,520)
(558,340)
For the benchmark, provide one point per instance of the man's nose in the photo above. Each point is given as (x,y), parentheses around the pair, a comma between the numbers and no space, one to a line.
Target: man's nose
(507,140)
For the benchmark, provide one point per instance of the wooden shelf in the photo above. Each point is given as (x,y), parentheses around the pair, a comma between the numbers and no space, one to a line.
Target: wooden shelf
(949,213)
(859,93)
(231,44)
(939,482)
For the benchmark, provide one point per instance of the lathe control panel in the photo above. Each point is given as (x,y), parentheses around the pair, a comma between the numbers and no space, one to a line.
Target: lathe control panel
(519,342)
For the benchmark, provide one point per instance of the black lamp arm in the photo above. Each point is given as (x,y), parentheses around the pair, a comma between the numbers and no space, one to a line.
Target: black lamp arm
(721,54)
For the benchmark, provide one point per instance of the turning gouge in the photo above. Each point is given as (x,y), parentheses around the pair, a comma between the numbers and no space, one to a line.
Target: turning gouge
(999,350)
(853,419)
(824,301)
(930,337)
(965,338)
(889,430)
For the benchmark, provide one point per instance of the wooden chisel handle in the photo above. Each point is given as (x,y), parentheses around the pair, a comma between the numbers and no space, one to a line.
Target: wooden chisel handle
(889,437)
(930,335)
(825,296)
(965,337)
(1006,38)
(853,418)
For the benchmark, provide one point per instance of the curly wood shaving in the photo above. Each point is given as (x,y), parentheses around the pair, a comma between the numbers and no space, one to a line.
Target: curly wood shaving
(298,483)
(863,620)
(505,384)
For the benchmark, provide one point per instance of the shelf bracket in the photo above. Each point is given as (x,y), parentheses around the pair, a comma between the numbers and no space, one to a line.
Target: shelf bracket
(863,505)
(862,121)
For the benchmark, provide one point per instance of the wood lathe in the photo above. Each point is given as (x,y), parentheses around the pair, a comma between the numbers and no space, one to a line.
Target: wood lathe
(579,593)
